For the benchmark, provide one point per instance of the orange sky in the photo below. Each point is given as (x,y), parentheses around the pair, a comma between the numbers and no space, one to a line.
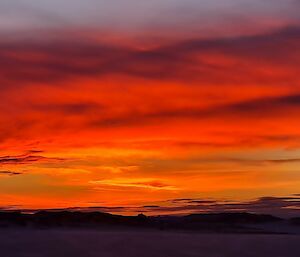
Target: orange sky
(94,121)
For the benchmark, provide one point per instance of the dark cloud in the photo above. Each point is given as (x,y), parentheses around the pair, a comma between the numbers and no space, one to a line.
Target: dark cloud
(9,173)
(70,108)
(245,140)
(282,206)
(258,108)
(53,60)
(264,106)
(33,151)
(202,201)
(151,206)
(255,162)
(25,159)
(284,160)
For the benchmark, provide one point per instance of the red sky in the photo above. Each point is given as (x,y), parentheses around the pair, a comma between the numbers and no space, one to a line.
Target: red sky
(130,117)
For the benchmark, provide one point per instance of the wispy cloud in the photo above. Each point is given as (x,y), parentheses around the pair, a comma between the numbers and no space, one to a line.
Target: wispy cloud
(27,158)
(135,183)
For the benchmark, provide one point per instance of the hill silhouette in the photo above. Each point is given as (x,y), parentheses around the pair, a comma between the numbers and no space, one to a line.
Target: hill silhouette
(211,222)
(69,219)
(231,218)
(295,221)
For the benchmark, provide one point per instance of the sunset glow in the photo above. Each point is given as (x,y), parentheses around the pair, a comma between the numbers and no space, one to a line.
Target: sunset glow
(141,104)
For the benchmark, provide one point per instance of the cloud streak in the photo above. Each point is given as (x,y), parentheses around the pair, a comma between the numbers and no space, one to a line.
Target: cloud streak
(9,173)
(25,159)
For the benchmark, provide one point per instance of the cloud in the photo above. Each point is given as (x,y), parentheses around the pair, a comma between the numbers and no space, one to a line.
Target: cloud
(10,173)
(280,206)
(283,161)
(191,60)
(258,108)
(135,183)
(69,108)
(26,159)
(264,106)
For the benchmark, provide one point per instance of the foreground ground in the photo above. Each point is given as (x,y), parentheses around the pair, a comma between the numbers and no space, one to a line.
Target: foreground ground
(87,243)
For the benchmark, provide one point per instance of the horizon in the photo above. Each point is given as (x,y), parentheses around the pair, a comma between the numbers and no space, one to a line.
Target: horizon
(283,207)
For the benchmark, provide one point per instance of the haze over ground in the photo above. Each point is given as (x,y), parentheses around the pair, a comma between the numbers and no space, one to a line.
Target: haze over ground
(111,244)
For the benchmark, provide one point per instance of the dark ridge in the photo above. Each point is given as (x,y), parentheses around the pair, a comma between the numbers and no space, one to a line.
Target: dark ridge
(70,219)
(218,222)
(295,221)
(228,218)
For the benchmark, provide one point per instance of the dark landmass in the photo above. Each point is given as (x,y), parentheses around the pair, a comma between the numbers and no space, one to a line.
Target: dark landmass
(214,222)
(295,221)
(232,218)
(48,219)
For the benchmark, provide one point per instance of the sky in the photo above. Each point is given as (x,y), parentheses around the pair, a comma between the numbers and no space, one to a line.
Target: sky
(127,103)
